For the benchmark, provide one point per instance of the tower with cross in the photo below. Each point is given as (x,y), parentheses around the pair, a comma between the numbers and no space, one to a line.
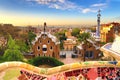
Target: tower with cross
(98,26)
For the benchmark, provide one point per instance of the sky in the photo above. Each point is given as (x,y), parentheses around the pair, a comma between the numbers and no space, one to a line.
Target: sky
(58,12)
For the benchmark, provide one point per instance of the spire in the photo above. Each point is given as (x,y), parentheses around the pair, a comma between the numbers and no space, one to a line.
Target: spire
(45,26)
(98,26)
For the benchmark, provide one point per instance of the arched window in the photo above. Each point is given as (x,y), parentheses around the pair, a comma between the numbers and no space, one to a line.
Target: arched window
(44,48)
(51,47)
(48,41)
(38,48)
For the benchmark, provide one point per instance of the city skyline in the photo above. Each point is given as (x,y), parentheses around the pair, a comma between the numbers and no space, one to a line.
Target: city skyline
(58,12)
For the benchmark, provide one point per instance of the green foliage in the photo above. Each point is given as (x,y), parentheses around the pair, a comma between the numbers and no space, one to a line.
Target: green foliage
(2,59)
(75,32)
(12,53)
(111,39)
(61,36)
(31,36)
(11,43)
(2,49)
(83,37)
(23,46)
(45,60)
(61,45)
(103,43)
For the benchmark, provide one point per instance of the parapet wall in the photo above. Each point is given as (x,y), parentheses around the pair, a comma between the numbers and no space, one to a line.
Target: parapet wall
(91,70)
(63,68)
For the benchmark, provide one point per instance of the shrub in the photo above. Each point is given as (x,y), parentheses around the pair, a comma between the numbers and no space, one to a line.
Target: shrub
(45,60)
(2,59)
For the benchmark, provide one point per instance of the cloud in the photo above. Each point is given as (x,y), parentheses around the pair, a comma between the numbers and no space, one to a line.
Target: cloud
(68,5)
(44,2)
(62,1)
(99,5)
(87,10)
(63,5)
(57,4)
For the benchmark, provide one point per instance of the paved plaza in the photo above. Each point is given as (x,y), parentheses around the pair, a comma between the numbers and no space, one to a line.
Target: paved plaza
(68,58)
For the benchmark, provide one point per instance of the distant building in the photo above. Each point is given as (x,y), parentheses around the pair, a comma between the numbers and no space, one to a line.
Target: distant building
(68,33)
(70,42)
(46,44)
(108,30)
(32,29)
(85,30)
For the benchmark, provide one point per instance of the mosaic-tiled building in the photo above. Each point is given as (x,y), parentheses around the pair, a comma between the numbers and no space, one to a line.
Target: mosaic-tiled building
(46,44)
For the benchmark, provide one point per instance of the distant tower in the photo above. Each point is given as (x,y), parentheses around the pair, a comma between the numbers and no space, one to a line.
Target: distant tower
(45,26)
(98,26)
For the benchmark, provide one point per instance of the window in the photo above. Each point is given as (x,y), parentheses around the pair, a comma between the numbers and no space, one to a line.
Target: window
(44,49)
(48,41)
(51,47)
(89,54)
(38,48)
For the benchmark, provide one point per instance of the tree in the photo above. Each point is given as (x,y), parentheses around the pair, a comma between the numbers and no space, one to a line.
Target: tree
(22,46)
(2,49)
(61,45)
(61,36)
(75,32)
(83,37)
(12,53)
(31,36)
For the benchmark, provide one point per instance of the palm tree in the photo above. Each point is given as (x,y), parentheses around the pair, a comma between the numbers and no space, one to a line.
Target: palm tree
(83,38)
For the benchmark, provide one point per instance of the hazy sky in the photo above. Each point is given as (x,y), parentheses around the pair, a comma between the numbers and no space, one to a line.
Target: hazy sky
(58,12)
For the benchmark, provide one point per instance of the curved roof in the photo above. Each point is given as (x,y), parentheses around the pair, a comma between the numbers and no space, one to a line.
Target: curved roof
(52,37)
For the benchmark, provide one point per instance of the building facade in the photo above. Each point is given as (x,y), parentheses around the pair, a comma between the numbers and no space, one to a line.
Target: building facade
(108,31)
(70,42)
(46,44)
(90,50)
